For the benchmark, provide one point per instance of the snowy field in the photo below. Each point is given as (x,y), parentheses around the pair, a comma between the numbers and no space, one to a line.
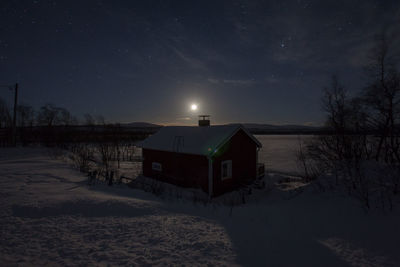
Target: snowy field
(50,216)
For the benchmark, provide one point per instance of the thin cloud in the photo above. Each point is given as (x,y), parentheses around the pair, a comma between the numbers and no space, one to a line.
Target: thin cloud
(211,80)
(240,82)
(231,81)
(184,119)
(190,61)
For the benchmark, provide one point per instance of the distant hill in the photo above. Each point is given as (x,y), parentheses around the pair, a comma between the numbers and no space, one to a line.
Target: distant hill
(273,127)
(255,128)
(141,125)
(258,128)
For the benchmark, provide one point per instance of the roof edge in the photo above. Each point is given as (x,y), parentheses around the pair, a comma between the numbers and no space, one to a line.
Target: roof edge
(241,127)
(169,151)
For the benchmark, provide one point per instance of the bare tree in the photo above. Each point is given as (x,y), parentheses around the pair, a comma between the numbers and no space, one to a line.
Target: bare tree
(5,115)
(89,120)
(25,116)
(363,151)
(48,115)
(51,115)
(342,153)
(382,96)
(100,120)
(335,104)
(65,117)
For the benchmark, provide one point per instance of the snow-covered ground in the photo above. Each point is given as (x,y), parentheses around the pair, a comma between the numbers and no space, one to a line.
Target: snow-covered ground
(50,216)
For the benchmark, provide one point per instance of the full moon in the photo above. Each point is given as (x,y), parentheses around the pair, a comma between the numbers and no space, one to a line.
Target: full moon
(193,107)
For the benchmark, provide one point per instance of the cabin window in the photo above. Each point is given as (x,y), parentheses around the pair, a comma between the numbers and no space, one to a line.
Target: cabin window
(226,169)
(155,166)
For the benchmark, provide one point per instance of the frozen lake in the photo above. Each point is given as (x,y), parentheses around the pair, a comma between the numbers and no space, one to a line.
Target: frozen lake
(279,152)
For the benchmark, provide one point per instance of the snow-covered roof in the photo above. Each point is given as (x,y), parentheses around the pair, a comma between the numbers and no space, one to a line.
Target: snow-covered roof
(193,139)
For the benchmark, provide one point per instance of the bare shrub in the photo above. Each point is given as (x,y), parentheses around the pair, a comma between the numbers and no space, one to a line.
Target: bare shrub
(106,151)
(92,177)
(82,156)
(306,163)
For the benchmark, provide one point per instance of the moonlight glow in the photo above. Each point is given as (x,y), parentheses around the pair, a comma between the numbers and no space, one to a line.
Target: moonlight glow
(193,107)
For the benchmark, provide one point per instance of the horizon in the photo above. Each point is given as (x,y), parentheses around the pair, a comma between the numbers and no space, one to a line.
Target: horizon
(227,123)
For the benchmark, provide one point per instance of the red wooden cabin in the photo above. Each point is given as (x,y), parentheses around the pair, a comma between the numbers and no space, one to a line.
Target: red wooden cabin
(216,159)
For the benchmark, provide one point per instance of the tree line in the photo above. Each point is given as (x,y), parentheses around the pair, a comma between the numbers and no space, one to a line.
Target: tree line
(52,125)
(363,152)
(46,115)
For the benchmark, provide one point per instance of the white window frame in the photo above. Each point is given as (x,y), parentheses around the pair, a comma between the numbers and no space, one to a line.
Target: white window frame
(228,170)
(156,166)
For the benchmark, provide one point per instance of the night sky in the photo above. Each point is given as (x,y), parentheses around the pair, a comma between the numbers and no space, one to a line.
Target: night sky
(240,61)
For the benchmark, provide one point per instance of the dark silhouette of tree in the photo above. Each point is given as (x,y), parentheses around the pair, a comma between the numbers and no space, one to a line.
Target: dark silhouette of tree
(363,151)
(25,116)
(66,118)
(382,97)
(101,120)
(335,104)
(48,115)
(5,115)
(89,120)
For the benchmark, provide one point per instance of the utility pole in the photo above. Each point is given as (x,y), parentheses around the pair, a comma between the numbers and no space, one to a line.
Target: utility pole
(15,115)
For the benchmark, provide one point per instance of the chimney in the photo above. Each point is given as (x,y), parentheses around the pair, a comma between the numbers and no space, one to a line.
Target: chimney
(204,120)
